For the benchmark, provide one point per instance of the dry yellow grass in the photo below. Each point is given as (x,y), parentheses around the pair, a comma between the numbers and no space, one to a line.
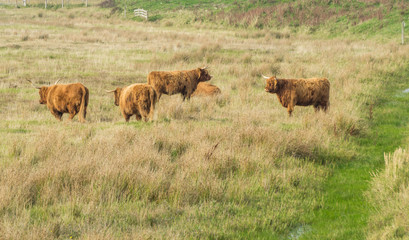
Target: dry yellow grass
(235,161)
(390,194)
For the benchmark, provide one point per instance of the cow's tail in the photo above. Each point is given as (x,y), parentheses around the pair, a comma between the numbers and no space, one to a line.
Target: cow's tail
(83,106)
(328,93)
(153,99)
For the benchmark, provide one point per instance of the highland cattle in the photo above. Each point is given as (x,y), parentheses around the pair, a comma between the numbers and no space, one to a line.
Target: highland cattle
(65,98)
(174,82)
(206,89)
(300,92)
(138,99)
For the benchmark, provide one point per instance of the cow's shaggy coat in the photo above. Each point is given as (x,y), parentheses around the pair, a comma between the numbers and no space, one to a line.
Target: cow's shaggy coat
(174,82)
(301,92)
(206,89)
(137,99)
(66,98)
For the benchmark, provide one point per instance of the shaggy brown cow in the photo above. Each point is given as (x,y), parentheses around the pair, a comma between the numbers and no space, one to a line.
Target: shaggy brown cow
(138,99)
(301,92)
(65,98)
(183,82)
(206,89)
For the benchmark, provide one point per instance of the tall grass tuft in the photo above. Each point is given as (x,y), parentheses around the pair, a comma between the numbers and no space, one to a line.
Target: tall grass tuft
(389,195)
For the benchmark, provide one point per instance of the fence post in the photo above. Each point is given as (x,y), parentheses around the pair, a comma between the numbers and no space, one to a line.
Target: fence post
(24,3)
(45,4)
(403,32)
(62,3)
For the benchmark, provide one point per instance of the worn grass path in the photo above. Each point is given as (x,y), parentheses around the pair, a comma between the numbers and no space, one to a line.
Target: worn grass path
(345,211)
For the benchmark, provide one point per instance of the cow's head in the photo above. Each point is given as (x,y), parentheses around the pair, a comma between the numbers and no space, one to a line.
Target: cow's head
(43,95)
(117,93)
(43,91)
(204,75)
(272,85)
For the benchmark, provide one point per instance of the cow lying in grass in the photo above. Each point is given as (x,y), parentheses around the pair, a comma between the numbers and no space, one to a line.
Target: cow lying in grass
(137,99)
(174,82)
(65,98)
(206,89)
(300,92)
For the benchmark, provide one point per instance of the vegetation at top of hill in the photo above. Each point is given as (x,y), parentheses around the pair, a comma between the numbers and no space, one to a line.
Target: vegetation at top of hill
(355,17)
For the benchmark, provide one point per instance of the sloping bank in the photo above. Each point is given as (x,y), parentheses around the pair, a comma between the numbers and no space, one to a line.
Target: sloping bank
(389,194)
(354,205)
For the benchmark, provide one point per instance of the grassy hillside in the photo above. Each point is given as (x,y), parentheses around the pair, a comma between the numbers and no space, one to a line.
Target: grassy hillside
(333,18)
(323,18)
(232,166)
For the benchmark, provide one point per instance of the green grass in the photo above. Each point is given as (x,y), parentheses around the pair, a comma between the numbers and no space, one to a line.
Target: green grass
(15,130)
(345,210)
(194,4)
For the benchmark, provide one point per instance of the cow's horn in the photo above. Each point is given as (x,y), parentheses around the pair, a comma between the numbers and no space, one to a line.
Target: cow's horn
(33,84)
(264,76)
(204,68)
(57,81)
(110,91)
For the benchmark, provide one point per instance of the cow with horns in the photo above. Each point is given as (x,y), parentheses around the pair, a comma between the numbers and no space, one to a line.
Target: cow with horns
(300,92)
(137,99)
(65,98)
(174,82)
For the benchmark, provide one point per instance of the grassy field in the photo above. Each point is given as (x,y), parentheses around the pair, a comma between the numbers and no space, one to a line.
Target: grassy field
(232,166)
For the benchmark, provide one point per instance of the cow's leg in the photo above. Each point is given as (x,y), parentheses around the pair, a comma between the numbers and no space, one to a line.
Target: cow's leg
(290,110)
(324,106)
(57,115)
(186,94)
(189,93)
(72,112)
(143,114)
(126,116)
(72,115)
(317,107)
(291,105)
(138,116)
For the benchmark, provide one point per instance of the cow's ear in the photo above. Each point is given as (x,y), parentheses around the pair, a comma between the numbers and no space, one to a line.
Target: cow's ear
(279,83)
